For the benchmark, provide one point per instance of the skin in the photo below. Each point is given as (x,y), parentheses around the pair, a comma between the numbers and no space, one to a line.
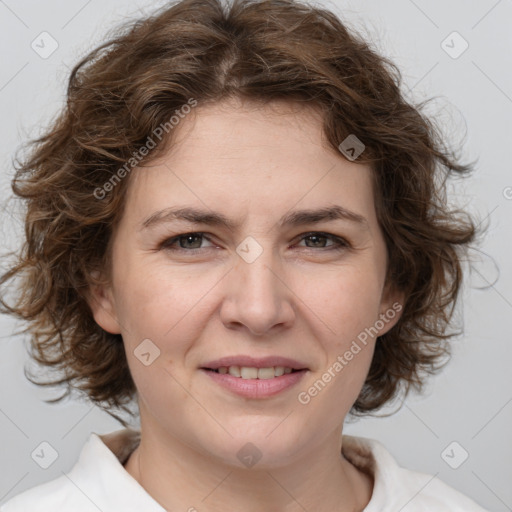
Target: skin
(299,299)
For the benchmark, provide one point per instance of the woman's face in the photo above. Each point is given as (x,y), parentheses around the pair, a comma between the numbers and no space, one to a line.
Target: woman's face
(278,281)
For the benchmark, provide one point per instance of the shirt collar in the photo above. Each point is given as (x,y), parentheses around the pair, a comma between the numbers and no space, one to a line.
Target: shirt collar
(99,473)
(100,476)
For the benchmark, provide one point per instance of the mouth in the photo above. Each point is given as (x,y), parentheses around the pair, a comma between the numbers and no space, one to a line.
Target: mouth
(255,378)
(248,372)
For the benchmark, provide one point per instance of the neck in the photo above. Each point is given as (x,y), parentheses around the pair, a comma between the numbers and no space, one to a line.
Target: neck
(179,477)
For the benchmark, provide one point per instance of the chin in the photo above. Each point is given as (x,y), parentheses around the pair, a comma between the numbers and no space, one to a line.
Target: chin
(259,442)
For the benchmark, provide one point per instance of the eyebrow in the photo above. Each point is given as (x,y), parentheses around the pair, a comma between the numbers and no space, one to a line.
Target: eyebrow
(292,219)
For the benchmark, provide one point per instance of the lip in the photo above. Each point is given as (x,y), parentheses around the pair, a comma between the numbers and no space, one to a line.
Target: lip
(253,362)
(256,388)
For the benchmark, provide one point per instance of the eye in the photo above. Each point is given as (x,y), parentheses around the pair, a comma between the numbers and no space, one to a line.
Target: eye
(190,242)
(186,242)
(318,240)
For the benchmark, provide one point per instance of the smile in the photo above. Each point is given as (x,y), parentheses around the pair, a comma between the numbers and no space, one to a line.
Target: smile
(247,382)
(248,372)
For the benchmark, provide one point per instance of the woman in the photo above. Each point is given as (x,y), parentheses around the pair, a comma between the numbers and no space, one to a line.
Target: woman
(238,221)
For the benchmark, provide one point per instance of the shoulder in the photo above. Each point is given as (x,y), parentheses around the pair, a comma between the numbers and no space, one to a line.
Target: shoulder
(85,488)
(57,494)
(397,488)
(63,493)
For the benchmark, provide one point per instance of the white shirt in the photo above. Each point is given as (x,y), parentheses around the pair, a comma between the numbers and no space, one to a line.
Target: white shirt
(99,482)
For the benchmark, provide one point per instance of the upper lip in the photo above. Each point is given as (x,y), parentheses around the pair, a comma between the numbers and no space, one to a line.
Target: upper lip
(255,362)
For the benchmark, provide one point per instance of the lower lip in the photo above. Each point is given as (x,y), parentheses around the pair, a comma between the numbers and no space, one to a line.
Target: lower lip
(256,388)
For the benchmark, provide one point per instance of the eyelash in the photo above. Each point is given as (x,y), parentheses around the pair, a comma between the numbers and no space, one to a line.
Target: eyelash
(341,243)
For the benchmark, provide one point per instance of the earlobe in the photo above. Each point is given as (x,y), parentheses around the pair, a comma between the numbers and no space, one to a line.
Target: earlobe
(391,310)
(102,304)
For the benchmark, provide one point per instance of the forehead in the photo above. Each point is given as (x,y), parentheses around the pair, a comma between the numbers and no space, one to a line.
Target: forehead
(265,157)
(236,129)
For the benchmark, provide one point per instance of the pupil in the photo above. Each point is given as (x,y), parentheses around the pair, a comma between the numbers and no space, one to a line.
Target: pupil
(316,239)
(187,238)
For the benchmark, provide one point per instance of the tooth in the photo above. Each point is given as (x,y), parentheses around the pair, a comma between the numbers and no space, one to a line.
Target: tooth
(279,370)
(266,373)
(287,370)
(234,370)
(248,373)
(223,369)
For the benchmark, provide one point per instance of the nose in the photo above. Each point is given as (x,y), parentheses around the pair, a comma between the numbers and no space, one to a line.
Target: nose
(258,297)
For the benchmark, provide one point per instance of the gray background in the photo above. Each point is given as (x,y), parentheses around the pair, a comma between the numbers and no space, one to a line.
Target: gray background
(470,403)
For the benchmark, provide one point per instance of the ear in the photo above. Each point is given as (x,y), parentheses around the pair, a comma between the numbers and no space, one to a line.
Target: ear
(391,308)
(101,301)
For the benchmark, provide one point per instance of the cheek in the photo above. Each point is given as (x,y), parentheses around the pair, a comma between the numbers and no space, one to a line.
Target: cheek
(349,305)
(158,301)
(348,351)
(348,301)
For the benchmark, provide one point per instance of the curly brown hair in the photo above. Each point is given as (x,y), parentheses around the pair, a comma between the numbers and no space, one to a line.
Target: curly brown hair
(262,50)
